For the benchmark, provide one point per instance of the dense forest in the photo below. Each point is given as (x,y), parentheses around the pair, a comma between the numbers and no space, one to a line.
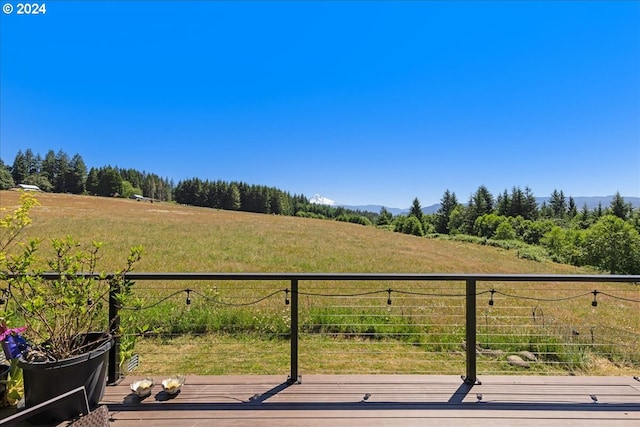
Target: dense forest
(607,238)
(59,173)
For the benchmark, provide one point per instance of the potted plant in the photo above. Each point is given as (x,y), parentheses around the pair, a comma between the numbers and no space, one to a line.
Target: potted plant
(65,314)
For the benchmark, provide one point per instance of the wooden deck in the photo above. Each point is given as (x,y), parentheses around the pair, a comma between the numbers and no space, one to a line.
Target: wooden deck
(381,400)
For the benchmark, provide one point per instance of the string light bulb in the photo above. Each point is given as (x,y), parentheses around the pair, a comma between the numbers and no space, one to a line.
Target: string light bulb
(286,296)
(188,296)
(389,298)
(493,291)
(594,303)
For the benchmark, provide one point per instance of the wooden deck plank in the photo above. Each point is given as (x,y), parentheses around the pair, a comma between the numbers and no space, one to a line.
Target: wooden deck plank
(380,400)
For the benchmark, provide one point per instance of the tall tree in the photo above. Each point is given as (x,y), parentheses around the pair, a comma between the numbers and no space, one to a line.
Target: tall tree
(110,182)
(20,169)
(33,162)
(62,172)
(619,208)
(385,217)
(583,218)
(232,201)
(6,180)
(530,206)
(516,207)
(76,175)
(93,181)
(480,203)
(503,204)
(558,204)
(49,166)
(416,209)
(599,211)
(572,211)
(447,204)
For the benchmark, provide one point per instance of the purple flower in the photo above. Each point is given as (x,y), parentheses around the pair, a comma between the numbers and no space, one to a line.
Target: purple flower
(5,332)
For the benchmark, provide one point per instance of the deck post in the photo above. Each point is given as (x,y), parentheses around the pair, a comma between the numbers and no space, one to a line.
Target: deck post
(470,315)
(294,378)
(113,372)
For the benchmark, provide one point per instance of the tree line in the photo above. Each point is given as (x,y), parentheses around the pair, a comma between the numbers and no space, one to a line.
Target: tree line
(241,196)
(59,173)
(606,237)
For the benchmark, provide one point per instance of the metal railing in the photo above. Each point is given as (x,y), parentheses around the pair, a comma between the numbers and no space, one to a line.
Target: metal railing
(294,280)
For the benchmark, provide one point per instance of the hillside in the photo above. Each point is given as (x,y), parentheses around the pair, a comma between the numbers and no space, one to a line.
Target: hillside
(182,238)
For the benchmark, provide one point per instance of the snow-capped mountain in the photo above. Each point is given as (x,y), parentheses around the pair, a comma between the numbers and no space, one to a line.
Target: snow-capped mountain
(321,200)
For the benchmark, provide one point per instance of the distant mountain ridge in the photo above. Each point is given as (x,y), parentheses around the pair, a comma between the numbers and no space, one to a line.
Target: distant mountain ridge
(591,202)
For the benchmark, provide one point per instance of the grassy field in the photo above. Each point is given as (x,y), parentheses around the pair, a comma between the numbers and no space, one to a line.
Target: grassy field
(181,238)
(189,239)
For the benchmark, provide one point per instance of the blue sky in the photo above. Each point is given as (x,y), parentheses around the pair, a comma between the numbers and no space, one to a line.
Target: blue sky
(363,102)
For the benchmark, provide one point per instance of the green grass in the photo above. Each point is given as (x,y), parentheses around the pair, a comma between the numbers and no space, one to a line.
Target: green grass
(360,334)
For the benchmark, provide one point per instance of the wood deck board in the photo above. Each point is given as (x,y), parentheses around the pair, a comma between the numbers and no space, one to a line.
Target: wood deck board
(381,400)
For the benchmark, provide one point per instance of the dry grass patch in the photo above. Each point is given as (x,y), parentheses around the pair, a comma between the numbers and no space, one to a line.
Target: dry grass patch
(182,238)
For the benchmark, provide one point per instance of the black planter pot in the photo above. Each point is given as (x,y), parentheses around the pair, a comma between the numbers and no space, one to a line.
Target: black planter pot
(46,380)
(4,375)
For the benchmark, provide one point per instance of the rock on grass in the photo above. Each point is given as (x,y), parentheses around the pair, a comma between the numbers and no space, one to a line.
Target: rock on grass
(527,355)
(517,361)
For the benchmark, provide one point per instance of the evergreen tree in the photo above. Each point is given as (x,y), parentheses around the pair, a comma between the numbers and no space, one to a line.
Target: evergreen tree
(20,169)
(232,200)
(573,210)
(545,211)
(385,217)
(93,181)
(599,211)
(6,180)
(480,203)
(558,204)
(517,202)
(503,204)
(447,204)
(61,172)
(530,206)
(416,209)
(32,163)
(483,200)
(619,208)
(49,166)
(109,182)
(583,218)
(76,175)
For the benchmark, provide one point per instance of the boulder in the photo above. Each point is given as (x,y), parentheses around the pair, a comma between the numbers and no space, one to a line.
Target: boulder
(517,361)
(527,355)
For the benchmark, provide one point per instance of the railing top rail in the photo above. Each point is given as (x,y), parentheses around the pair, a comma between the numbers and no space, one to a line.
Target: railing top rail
(367,277)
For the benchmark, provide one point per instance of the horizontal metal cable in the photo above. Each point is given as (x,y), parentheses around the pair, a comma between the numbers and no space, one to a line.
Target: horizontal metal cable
(619,298)
(389,292)
(541,299)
